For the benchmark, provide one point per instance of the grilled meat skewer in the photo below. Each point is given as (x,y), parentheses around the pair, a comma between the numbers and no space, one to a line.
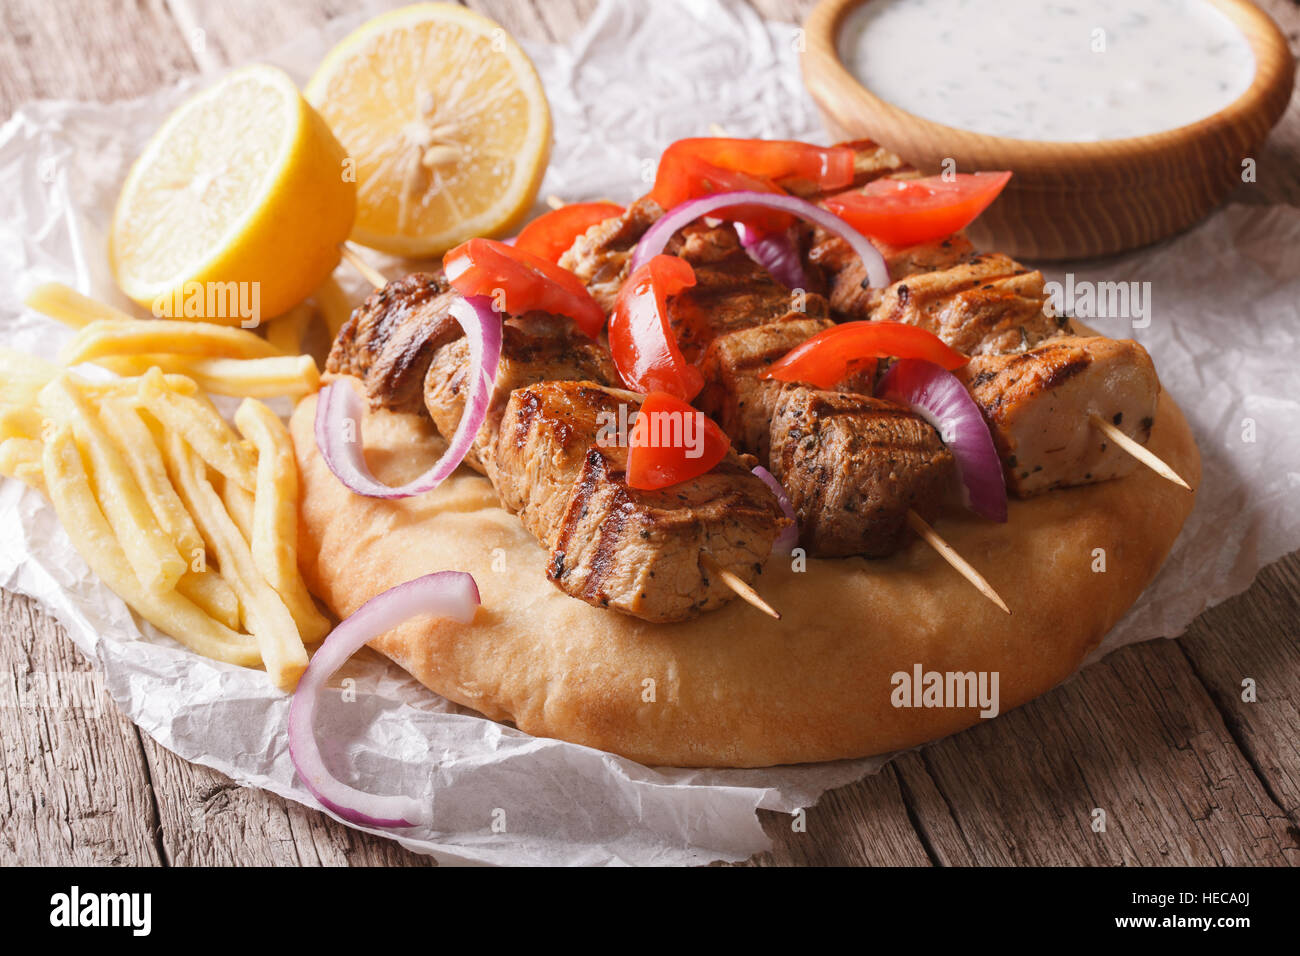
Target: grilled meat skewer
(651,554)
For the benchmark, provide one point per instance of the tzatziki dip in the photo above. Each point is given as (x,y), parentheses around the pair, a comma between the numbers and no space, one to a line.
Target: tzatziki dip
(1058,70)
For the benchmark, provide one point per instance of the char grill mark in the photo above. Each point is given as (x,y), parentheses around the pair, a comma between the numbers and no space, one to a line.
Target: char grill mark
(853,467)
(389,341)
(615,546)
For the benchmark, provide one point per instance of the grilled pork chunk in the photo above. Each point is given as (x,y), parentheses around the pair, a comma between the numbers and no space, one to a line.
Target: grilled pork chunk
(390,340)
(852,296)
(985,305)
(613,546)
(534,348)
(1037,405)
(853,466)
(599,257)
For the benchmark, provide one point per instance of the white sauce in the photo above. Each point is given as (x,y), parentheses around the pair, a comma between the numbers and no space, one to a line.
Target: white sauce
(1063,70)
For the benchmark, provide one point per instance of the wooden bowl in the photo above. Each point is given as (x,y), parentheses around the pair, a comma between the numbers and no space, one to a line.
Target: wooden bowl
(1071,200)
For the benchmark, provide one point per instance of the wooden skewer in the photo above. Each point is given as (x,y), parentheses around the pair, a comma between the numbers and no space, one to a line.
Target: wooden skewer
(743,590)
(962,566)
(707,561)
(368,272)
(555,202)
(1137,450)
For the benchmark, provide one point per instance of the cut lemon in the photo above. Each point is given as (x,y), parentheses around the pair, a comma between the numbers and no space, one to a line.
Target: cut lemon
(243,184)
(446,120)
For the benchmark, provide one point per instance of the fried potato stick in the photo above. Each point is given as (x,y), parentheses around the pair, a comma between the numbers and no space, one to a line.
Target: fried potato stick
(67,305)
(333,304)
(275,515)
(209,590)
(203,429)
(137,336)
(291,375)
(174,615)
(149,549)
(121,419)
(20,458)
(264,613)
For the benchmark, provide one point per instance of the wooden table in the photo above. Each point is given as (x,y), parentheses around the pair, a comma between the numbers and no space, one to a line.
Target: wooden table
(1157,735)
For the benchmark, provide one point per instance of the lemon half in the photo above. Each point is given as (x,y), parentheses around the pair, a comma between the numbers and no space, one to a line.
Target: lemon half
(243,183)
(446,121)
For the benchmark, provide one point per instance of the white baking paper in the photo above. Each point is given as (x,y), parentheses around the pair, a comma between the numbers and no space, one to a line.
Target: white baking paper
(1225,321)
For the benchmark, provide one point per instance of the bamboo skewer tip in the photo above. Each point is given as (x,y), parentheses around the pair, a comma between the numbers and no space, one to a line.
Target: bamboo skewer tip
(949,554)
(368,272)
(743,590)
(1138,450)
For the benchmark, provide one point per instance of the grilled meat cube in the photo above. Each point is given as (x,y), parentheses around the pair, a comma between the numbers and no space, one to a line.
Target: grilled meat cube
(735,395)
(1037,405)
(599,257)
(731,291)
(390,340)
(534,348)
(987,304)
(853,466)
(851,296)
(614,546)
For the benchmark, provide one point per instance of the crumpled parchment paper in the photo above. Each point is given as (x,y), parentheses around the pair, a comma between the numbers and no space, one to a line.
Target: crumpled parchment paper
(1224,332)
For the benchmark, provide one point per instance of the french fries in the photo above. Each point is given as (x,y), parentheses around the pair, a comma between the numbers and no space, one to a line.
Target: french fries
(174,615)
(21,458)
(194,526)
(121,420)
(274,540)
(209,590)
(149,550)
(105,337)
(67,305)
(204,430)
(291,375)
(264,612)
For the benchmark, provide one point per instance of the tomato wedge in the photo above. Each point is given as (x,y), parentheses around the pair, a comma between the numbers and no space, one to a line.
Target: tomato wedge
(641,340)
(551,235)
(907,211)
(829,356)
(671,442)
(519,282)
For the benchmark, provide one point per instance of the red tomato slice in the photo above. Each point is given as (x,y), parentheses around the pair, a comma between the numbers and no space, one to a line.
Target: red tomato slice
(907,211)
(689,177)
(641,340)
(551,235)
(519,282)
(829,356)
(671,442)
(772,160)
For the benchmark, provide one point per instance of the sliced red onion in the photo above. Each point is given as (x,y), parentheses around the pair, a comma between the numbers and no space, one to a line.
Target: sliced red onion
(451,594)
(657,236)
(777,252)
(785,542)
(339,412)
(941,399)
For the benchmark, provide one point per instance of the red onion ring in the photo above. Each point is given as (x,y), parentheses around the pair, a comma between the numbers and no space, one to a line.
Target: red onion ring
(777,252)
(451,594)
(787,540)
(339,412)
(940,398)
(657,236)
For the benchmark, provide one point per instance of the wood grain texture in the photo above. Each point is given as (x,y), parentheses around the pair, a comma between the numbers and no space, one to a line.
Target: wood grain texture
(1157,734)
(1071,200)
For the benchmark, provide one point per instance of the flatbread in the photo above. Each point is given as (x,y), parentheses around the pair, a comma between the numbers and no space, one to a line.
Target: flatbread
(734,688)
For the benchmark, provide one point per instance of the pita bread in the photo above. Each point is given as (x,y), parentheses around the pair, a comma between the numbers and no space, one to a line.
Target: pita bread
(734,688)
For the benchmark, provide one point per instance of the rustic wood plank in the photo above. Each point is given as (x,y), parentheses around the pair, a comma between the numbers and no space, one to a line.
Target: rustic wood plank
(76,789)
(1137,736)
(90,50)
